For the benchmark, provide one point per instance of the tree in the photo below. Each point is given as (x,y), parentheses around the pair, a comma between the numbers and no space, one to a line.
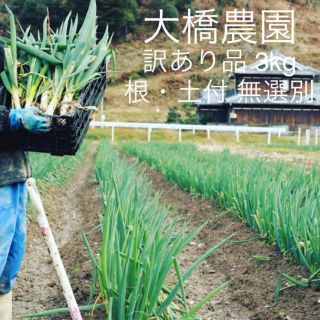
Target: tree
(33,12)
(187,115)
(183,5)
(169,10)
(222,3)
(173,115)
(120,15)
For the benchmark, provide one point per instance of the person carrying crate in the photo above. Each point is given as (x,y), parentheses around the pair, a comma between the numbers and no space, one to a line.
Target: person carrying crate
(14,171)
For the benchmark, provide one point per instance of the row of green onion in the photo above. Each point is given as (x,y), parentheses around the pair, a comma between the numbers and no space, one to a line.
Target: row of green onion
(281,201)
(137,265)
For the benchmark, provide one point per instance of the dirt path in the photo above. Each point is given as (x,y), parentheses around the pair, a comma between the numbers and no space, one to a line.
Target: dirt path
(252,281)
(71,208)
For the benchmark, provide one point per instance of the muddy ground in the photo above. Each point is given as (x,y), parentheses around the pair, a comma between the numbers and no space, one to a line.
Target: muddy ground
(76,206)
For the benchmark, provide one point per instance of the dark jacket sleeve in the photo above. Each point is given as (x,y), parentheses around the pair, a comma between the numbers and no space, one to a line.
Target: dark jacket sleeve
(4,111)
(4,119)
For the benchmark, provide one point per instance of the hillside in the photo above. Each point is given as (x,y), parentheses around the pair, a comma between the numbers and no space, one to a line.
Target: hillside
(130,60)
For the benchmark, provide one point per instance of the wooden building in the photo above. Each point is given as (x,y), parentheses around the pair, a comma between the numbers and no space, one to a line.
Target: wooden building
(264,95)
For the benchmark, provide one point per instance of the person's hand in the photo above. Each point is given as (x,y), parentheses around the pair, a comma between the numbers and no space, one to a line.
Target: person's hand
(29,119)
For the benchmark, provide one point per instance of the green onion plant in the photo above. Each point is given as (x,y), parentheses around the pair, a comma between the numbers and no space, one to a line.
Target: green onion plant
(51,69)
(279,200)
(138,267)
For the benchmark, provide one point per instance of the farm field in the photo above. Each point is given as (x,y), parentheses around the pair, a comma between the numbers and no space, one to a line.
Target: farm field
(106,183)
(279,201)
(165,222)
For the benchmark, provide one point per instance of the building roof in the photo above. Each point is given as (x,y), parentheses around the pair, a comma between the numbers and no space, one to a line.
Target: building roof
(264,100)
(255,68)
(213,97)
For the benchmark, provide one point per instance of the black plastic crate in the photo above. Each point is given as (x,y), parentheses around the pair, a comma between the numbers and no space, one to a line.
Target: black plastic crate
(67,131)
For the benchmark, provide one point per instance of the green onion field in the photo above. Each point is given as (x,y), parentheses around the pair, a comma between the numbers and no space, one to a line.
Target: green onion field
(163,231)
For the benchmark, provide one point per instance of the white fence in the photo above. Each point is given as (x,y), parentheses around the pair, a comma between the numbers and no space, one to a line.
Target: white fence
(188,127)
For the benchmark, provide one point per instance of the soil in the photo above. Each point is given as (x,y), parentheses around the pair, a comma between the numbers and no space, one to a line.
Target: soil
(76,206)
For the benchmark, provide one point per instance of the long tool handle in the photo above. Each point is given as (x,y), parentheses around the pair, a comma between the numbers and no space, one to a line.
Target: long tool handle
(54,252)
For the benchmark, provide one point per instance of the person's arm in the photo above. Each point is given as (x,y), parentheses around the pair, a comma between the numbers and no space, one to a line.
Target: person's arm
(4,112)
(4,119)
(27,118)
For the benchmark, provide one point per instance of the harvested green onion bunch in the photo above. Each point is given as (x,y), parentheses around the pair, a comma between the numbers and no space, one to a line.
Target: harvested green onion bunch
(50,70)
